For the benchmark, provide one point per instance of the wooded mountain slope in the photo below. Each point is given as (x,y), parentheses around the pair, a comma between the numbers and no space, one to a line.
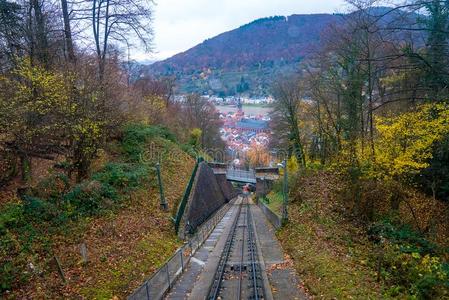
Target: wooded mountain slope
(247,59)
(254,51)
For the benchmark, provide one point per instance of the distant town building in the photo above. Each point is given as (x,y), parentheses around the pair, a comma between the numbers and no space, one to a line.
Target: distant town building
(239,105)
(252,125)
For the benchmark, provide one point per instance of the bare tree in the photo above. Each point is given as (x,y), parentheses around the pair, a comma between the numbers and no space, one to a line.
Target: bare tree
(11,32)
(116,21)
(202,114)
(68,32)
(288,94)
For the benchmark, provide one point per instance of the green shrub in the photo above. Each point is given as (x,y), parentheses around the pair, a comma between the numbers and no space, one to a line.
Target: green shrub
(123,176)
(136,137)
(52,187)
(11,217)
(90,198)
(315,166)
(278,186)
(7,276)
(40,209)
(408,239)
(411,265)
(412,274)
(13,252)
(189,149)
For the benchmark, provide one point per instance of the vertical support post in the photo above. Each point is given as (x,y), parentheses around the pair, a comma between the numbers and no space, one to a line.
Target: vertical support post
(164,205)
(182,260)
(285,194)
(168,276)
(148,290)
(60,270)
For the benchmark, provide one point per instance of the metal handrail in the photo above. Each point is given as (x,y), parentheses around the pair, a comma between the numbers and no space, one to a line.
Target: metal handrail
(190,247)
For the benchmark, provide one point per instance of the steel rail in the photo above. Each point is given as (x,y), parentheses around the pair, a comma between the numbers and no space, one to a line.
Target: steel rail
(242,255)
(255,271)
(256,290)
(215,288)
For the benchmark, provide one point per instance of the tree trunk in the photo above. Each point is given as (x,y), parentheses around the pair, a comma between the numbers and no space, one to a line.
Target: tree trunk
(41,34)
(25,167)
(297,145)
(30,34)
(370,109)
(68,32)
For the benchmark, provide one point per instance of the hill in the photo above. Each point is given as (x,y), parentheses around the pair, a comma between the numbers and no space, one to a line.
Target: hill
(246,58)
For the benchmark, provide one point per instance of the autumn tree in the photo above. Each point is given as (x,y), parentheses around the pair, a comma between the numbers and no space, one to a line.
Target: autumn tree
(200,113)
(406,141)
(372,64)
(33,111)
(288,94)
(258,156)
(151,100)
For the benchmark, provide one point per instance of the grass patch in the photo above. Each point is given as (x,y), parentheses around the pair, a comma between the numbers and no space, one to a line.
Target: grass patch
(274,201)
(258,105)
(326,270)
(151,253)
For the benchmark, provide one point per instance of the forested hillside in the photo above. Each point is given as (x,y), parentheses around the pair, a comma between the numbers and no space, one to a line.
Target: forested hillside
(255,52)
(80,212)
(369,200)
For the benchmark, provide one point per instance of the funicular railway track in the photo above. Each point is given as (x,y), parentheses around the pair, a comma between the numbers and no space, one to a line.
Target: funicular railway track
(238,275)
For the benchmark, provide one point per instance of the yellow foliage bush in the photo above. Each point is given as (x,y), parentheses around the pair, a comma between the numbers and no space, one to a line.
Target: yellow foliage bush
(292,165)
(405,142)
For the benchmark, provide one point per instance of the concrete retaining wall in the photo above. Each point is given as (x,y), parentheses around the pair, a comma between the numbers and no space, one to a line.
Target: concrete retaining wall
(263,187)
(206,198)
(274,219)
(228,190)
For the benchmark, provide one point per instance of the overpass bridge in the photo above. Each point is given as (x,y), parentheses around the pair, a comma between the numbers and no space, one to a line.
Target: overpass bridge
(241,175)
(245,176)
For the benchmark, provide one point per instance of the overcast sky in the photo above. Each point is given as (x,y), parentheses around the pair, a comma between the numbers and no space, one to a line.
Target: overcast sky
(182,24)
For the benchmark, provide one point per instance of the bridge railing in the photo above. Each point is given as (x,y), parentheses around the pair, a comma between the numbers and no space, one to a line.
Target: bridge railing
(240,174)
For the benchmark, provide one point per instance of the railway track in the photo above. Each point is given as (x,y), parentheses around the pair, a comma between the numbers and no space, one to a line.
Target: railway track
(238,275)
